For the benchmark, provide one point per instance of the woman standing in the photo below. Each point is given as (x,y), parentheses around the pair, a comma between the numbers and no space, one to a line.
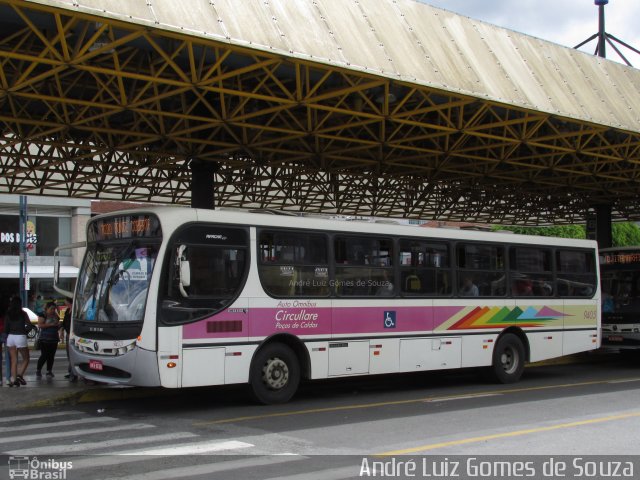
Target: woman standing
(3,339)
(15,326)
(49,326)
(4,304)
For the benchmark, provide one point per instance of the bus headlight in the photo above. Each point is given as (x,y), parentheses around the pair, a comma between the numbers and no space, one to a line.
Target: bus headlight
(123,350)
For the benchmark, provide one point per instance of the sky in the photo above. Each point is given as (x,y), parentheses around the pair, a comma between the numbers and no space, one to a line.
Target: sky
(567,22)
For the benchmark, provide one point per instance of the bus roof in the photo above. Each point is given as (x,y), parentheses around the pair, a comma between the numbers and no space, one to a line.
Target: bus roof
(180,215)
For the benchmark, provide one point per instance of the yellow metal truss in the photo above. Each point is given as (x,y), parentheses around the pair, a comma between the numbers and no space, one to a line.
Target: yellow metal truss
(99,108)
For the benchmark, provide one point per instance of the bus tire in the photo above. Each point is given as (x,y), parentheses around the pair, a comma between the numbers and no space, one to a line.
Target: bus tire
(508,359)
(275,374)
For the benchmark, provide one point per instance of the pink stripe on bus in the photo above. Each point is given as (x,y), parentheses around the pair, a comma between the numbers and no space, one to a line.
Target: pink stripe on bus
(325,321)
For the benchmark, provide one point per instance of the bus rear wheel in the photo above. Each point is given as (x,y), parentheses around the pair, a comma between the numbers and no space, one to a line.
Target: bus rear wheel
(275,374)
(508,359)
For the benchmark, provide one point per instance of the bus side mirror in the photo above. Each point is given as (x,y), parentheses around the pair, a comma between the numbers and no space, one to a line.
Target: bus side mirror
(184,269)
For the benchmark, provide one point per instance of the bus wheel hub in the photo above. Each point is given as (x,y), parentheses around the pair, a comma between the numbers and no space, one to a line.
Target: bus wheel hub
(275,373)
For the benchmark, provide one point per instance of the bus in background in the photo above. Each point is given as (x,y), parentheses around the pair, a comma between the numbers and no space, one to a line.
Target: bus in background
(180,297)
(620,278)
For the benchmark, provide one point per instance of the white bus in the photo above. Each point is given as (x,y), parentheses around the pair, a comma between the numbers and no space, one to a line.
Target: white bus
(180,297)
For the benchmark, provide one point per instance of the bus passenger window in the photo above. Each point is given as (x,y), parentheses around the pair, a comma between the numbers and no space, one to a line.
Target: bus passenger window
(484,266)
(364,266)
(576,273)
(424,268)
(531,272)
(293,264)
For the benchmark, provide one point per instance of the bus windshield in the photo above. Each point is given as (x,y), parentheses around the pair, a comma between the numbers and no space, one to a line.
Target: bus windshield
(621,292)
(620,278)
(114,282)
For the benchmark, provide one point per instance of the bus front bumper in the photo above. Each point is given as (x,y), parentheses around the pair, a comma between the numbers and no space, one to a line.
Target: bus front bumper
(137,367)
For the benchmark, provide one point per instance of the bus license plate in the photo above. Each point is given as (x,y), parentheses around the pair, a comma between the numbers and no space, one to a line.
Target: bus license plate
(614,338)
(95,365)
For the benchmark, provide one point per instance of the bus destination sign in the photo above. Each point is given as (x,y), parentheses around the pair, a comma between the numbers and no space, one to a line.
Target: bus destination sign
(124,226)
(620,258)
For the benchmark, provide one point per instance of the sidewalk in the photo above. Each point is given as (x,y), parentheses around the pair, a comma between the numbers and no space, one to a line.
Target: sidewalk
(56,391)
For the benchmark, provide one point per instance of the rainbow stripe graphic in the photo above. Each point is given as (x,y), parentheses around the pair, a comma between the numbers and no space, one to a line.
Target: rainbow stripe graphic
(501,317)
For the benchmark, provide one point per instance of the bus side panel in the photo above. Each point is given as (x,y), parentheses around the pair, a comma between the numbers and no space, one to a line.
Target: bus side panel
(581,326)
(301,318)
(203,366)
(545,345)
(384,355)
(466,318)
(543,322)
(237,363)
(170,350)
(477,350)
(380,317)
(319,358)
(417,354)
(349,357)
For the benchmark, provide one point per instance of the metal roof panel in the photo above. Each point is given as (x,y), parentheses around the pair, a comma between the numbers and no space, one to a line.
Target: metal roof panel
(195,16)
(136,10)
(314,39)
(361,45)
(252,23)
(436,34)
(406,40)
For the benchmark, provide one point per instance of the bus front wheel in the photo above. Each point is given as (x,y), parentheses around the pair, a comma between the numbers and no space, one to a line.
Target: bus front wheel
(508,359)
(275,374)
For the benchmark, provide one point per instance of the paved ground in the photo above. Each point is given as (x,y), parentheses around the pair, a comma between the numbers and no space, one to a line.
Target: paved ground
(44,391)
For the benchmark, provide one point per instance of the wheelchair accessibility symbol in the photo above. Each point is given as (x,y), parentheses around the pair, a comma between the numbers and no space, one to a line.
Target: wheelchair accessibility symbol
(389,319)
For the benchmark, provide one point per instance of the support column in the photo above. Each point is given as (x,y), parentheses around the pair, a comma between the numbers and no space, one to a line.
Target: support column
(80,216)
(604,226)
(602,35)
(202,183)
(24,275)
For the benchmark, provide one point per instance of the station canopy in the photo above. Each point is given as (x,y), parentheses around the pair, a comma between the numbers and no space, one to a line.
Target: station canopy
(357,107)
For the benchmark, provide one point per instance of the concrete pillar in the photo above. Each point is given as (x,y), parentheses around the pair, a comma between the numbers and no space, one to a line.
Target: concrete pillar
(604,233)
(79,218)
(202,183)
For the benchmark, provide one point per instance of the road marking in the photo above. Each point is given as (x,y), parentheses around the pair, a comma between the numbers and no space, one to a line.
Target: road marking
(103,446)
(22,418)
(329,474)
(49,425)
(182,471)
(462,397)
(406,402)
(192,448)
(71,433)
(516,433)
(624,380)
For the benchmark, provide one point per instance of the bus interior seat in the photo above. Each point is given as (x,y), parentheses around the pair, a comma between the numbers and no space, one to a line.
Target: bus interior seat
(412,283)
